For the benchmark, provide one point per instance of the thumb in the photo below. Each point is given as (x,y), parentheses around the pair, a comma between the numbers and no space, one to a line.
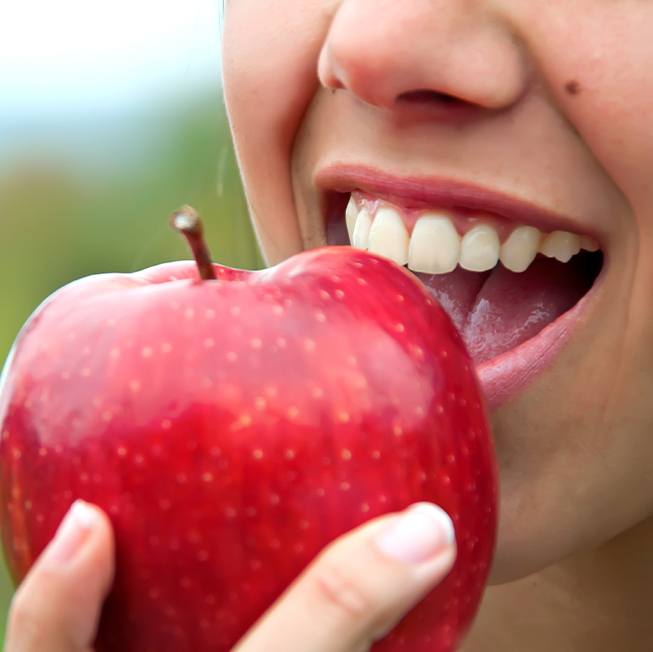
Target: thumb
(57,607)
(361,586)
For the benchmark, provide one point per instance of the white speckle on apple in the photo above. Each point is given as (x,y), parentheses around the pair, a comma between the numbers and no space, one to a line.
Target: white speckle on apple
(339,294)
(345,453)
(439,408)
(422,476)
(40,518)
(376,454)
(324,295)
(230,513)
(317,392)
(164,504)
(242,421)
(166,424)
(255,564)
(289,454)
(166,347)
(320,492)
(298,548)
(445,479)
(361,281)
(419,411)
(397,430)
(336,279)
(147,352)
(122,451)
(400,328)
(209,342)
(28,505)
(271,391)
(139,460)
(282,342)
(106,416)
(292,412)
(231,356)
(209,313)
(400,298)
(207,477)
(278,310)
(234,311)
(383,499)
(365,508)
(189,313)
(256,342)
(320,316)
(343,417)
(135,386)
(345,486)
(202,556)
(260,403)
(43,451)
(257,454)
(309,345)
(83,478)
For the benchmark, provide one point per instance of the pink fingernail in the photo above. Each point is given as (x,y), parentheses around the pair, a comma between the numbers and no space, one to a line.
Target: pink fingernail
(72,533)
(423,531)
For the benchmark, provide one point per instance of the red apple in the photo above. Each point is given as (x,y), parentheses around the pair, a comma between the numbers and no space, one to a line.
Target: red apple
(233,427)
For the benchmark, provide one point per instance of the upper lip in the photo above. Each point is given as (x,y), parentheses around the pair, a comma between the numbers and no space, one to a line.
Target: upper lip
(419,192)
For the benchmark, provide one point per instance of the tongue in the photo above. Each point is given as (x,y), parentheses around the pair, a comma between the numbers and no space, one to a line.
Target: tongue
(498,310)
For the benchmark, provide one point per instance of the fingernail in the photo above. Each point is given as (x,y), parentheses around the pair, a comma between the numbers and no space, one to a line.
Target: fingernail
(72,532)
(420,533)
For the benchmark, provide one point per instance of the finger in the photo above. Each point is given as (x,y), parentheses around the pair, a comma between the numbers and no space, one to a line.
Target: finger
(57,607)
(361,586)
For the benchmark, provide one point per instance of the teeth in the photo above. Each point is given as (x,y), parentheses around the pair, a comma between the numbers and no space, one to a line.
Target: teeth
(388,236)
(480,249)
(560,245)
(350,217)
(589,244)
(361,233)
(520,249)
(434,245)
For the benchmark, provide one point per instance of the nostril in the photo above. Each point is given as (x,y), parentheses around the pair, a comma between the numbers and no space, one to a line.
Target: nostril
(429,97)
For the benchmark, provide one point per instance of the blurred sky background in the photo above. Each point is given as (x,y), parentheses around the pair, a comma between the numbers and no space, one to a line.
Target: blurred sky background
(110,118)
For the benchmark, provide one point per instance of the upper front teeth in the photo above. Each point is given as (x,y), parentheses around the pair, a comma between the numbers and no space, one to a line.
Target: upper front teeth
(436,247)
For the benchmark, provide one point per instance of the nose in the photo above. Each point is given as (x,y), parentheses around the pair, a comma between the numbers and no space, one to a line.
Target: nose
(391,53)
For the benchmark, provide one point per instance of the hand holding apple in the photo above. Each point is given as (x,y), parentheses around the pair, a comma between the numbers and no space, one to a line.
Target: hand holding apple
(231,428)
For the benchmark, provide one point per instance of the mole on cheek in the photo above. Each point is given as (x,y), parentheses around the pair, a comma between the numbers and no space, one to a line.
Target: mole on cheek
(573,87)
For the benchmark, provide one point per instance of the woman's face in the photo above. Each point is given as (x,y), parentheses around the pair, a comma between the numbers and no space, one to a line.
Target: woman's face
(501,112)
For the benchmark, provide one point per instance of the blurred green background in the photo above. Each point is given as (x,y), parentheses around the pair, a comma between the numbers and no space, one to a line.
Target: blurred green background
(93,161)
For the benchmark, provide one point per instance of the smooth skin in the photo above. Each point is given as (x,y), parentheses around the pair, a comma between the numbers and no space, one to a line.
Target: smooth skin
(556,97)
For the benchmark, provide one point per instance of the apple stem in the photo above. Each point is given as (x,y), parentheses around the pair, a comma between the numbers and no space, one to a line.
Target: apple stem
(187,221)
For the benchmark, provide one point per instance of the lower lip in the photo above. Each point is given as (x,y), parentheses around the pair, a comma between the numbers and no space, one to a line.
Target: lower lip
(504,377)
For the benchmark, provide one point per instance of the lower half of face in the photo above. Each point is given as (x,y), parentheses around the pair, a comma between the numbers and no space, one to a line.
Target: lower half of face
(499,150)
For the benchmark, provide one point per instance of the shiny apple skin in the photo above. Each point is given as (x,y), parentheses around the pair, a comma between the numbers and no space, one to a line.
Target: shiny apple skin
(232,428)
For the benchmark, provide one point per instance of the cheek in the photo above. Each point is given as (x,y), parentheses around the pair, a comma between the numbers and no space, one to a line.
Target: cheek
(598,65)
(270,53)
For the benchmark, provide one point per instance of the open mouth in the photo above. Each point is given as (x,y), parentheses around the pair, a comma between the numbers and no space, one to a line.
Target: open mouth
(502,282)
